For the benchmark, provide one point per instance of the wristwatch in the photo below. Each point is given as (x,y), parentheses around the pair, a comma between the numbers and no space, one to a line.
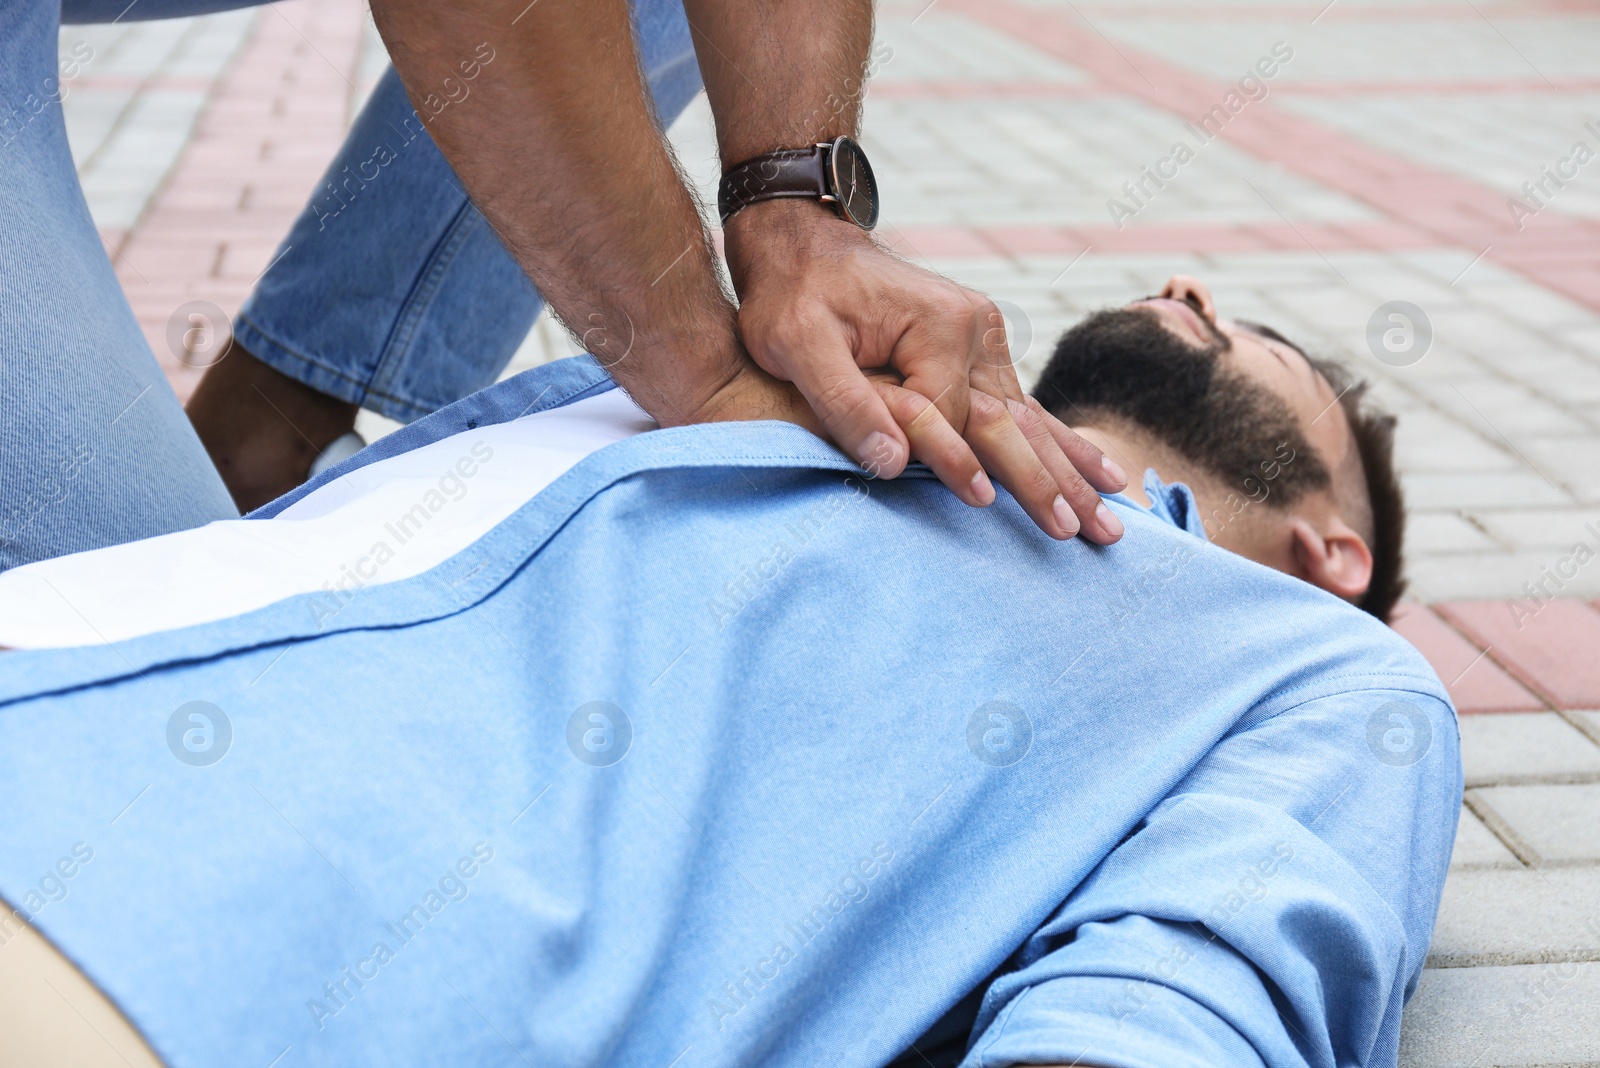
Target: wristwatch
(835,172)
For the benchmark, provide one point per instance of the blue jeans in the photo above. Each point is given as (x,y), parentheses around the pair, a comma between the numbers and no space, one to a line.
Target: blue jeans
(391,292)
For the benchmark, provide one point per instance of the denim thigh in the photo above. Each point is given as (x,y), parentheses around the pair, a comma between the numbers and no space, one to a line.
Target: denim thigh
(391,290)
(94,447)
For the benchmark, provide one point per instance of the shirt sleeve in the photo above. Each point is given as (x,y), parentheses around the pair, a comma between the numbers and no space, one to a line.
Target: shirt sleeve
(1274,909)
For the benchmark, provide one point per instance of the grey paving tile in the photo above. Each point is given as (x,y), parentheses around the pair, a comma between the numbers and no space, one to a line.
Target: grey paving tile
(1536,1015)
(1509,747)
(1488,489)
(90,115)
(1522,916)
(1560,822)
(1477,847)
(1480,328)
(1426,440)
(1543,528)
(1446,532)
(139,50)
(1571,460)
(1583,339)
(1226,43)
(1564,376)
(946,47)
(1547,310)
(1505,412)
(1471,576)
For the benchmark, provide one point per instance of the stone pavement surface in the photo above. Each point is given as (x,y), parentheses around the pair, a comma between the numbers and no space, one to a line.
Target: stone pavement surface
(1336,157)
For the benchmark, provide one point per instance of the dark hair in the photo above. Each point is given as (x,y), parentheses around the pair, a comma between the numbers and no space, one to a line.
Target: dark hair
(1373,431)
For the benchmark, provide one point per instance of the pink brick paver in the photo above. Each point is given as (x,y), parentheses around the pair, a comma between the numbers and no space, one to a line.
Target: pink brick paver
(1475,681)
(1555,651)
(257,151)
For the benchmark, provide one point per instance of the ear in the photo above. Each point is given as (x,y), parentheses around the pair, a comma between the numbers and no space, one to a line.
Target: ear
(1337,560)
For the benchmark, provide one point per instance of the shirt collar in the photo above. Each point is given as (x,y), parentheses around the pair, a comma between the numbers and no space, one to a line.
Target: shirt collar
(1173,503)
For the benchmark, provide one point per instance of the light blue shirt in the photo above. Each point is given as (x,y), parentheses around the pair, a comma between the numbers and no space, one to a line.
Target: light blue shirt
(716,754)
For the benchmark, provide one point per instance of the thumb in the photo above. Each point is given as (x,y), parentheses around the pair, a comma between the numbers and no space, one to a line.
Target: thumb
(850,409)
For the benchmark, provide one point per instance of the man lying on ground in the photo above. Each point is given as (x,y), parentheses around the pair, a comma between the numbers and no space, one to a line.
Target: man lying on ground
(696,749)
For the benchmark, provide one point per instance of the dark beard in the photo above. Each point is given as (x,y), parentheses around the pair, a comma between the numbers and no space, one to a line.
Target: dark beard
(1124,364)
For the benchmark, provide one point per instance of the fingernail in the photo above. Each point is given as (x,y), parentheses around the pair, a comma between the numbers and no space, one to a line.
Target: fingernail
(1064,517)
(879,454)
(1115,473)
(1108,520)
(982,489)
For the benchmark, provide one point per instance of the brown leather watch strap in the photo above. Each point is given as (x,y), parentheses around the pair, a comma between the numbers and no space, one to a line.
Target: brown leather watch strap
(792,172)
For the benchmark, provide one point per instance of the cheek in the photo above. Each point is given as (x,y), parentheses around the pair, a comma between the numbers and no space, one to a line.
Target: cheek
(1315,409)
(1248,358)
(1326,428)
(1331,438)
(1288,378)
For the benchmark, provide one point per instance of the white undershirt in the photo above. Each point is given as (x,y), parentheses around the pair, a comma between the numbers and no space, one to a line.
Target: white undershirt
(389,520)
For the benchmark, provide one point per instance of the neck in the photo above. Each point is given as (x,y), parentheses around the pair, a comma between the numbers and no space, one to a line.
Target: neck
(1310,541)
(1137,451)
(1231,520)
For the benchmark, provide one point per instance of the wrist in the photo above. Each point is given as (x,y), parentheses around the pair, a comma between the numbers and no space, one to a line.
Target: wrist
(671,344)
(786,230)
(674,373)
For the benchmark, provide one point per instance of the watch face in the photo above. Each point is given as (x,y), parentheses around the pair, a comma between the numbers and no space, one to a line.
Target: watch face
(853,183)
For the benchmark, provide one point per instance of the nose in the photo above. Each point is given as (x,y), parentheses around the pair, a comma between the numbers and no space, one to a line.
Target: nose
(1183,287)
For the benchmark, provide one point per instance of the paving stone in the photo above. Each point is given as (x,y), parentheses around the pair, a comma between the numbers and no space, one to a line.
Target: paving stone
(1473,576)
(1572,460)
(1477,847)
(1551,648)
(1561,823)
(1498,748)
(130,164)
(1492,916)
(1508,412)
(1445,532)
(933,47)
(1362,51)
(90,118)
(1538,1015)
(1535,305)
(1428,440)
(1481,490)
(1544,528)
(1475,682)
